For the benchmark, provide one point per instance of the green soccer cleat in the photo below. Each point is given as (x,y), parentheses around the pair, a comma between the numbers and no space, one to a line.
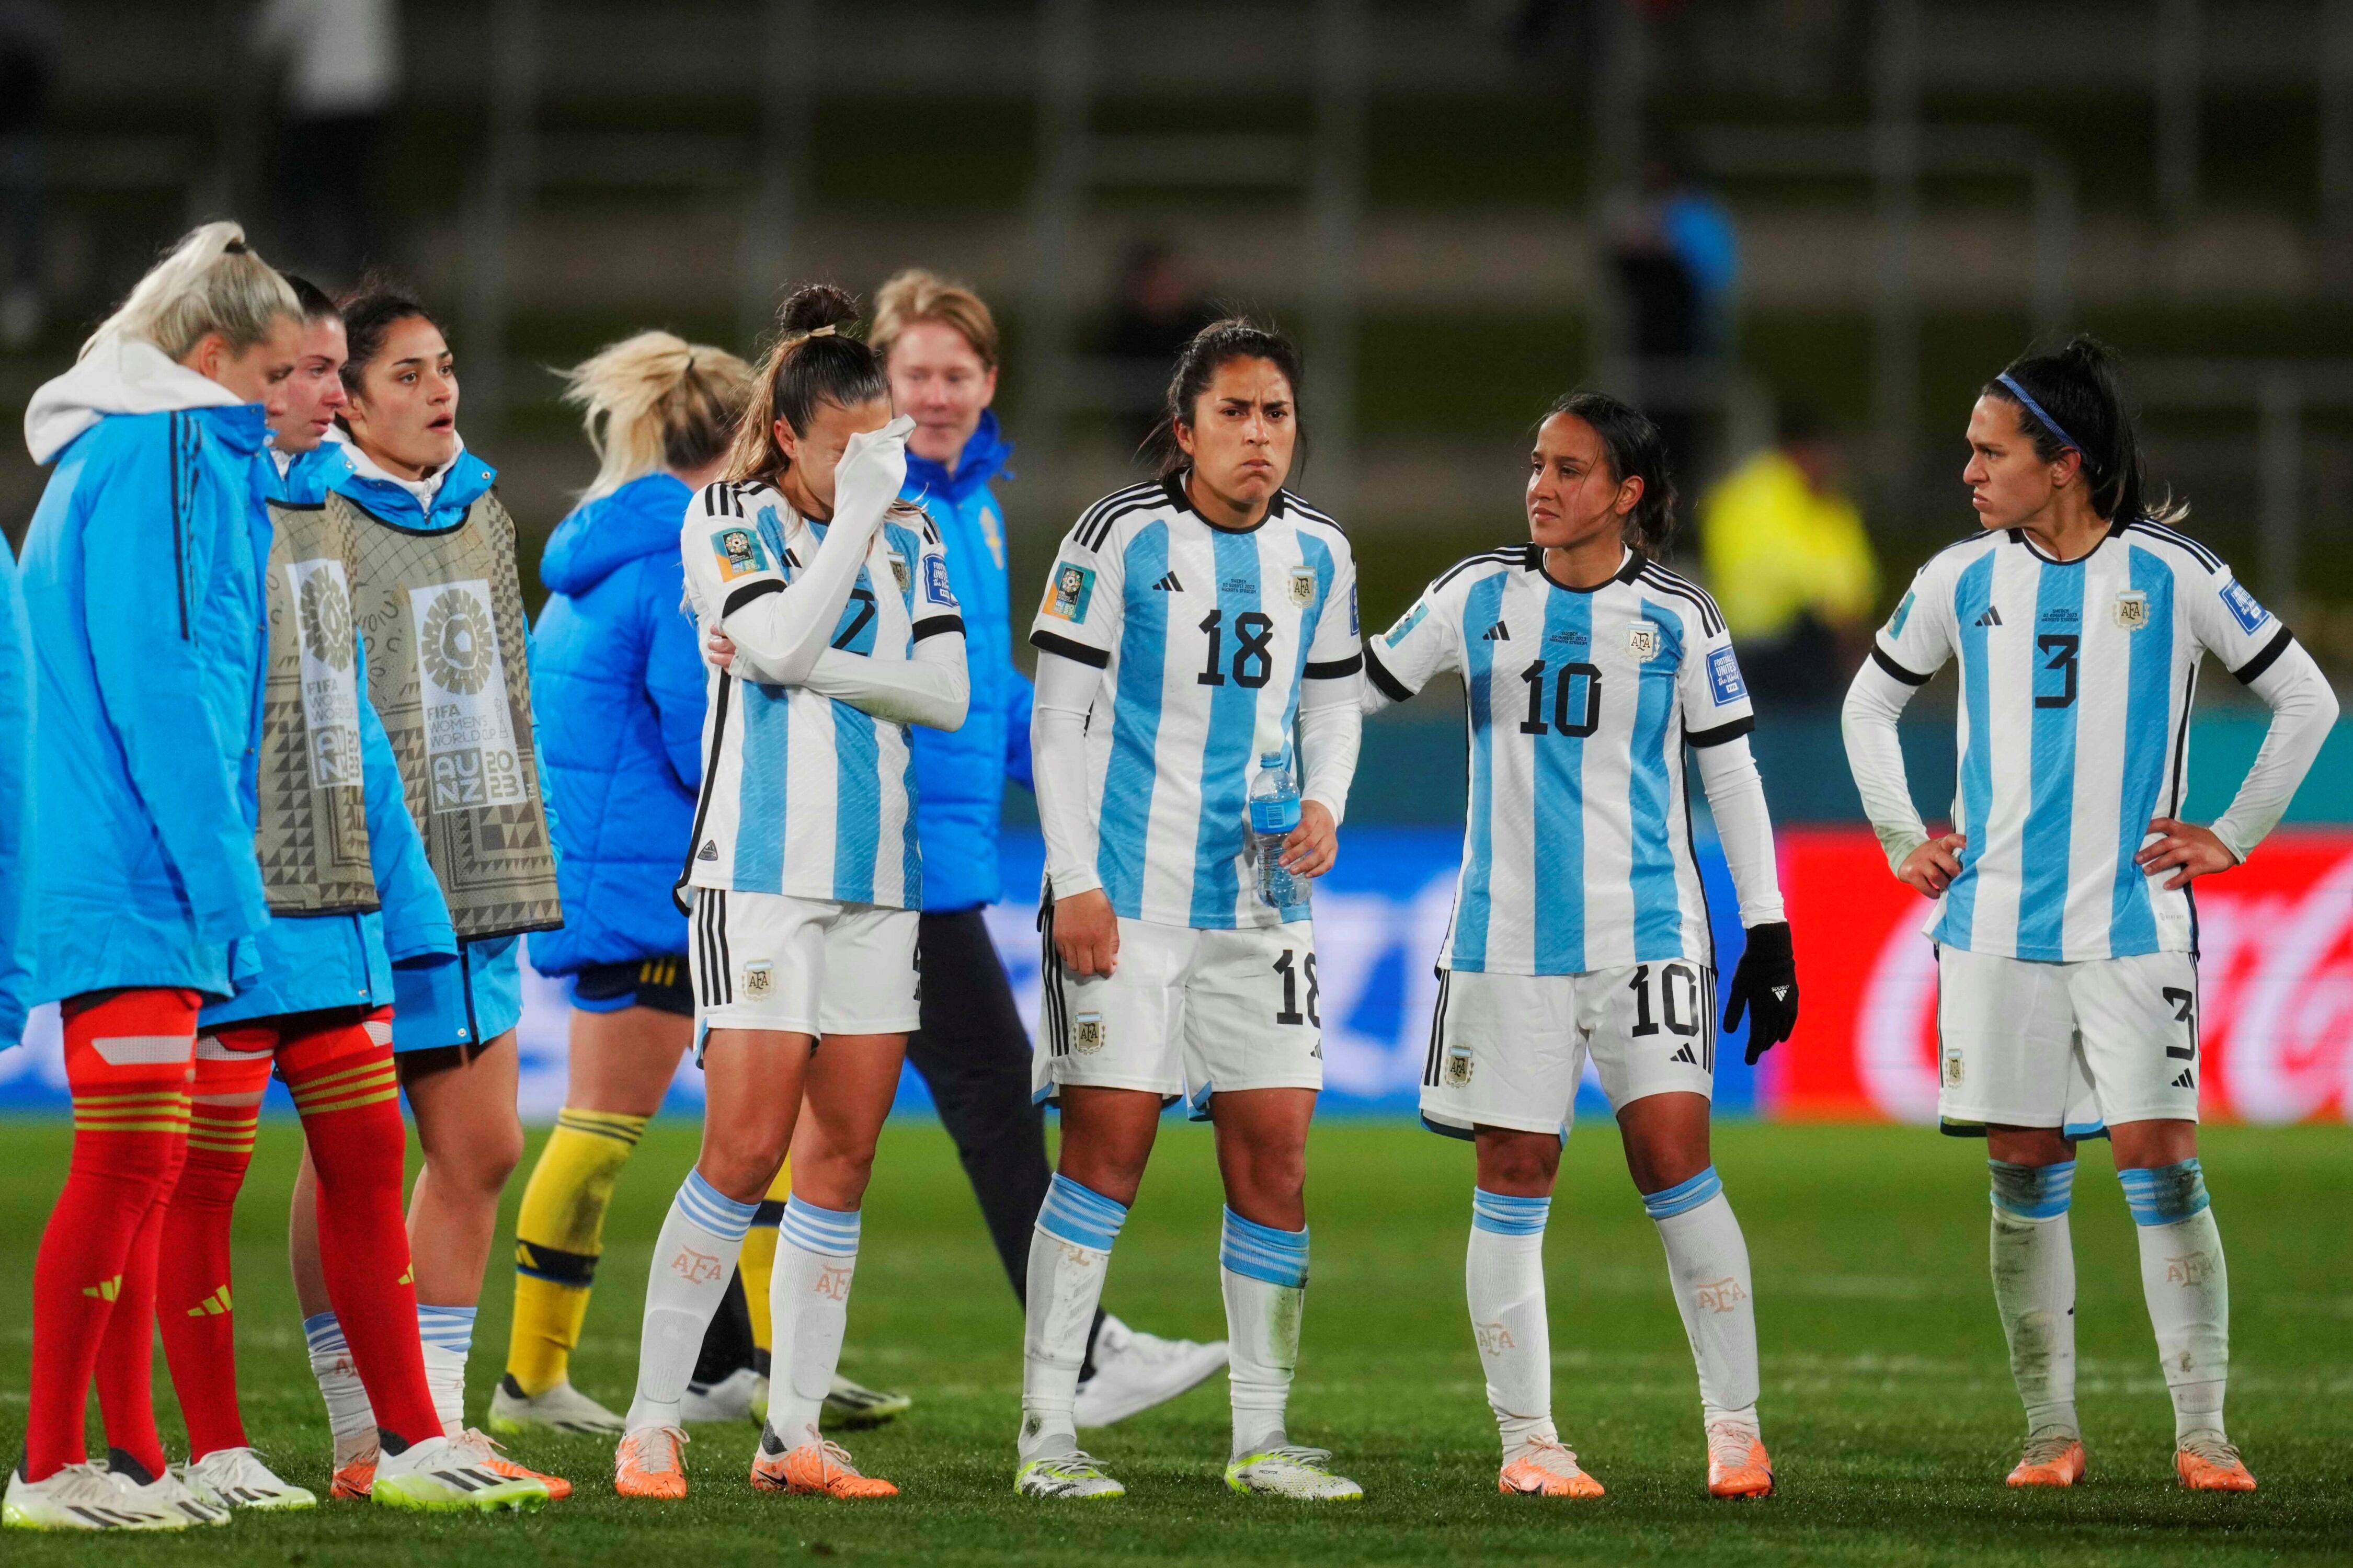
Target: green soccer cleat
(1073,1474)
(81,1496)
(437,1477)
(238,1479)
(851,1409)
(1292,1471)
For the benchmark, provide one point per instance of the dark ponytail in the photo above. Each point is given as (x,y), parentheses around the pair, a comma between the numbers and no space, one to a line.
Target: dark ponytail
(2075,400)
(812,362)
(1235,337)
(369,315)
(1637,451)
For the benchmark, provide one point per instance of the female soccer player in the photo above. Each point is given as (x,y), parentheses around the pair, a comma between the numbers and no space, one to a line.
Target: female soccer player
(143,599)
(1580,926)
(350,894)
(434,593)
(804,871)
(2066,938)
(618,684)
(1192,627)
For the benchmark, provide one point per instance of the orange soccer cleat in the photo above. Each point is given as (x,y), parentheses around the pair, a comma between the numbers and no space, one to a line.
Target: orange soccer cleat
(1738,1465)
(355,1479)
(2206,1463)
(1546,1467)
(818,1469)
(2051,1459)
(651,1463)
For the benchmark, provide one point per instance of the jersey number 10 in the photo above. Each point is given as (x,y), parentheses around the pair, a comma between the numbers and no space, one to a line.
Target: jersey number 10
(1564,700)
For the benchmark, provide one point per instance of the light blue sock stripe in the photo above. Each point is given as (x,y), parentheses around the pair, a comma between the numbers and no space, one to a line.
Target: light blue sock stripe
(1081,1216)
(706,1206)
(1260,1252)
(323,1333)
(2167,1194)
(1507,1216)
(446,1328)
(833,1232)
(1684,1197)
(2032,1192)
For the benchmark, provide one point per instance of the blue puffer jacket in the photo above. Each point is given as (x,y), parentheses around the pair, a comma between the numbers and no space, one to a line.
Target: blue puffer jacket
(618,682)
(15,806)
(143,593)
(960,774)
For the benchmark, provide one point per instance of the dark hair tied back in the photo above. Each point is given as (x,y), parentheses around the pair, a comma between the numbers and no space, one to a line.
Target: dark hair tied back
(2078,388)
(1635,451)
(813,361)
(1235,337)
(369,315)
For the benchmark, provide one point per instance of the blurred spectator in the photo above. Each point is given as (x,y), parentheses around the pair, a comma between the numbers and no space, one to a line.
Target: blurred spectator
(343,64)
(1677,258)
(1788,562)
(1156,312)
(29,45)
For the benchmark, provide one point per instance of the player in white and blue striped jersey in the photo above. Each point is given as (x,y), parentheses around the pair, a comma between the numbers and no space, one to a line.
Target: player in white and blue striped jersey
(840,627)
(1579,925)
(2066,938)
(1190,628)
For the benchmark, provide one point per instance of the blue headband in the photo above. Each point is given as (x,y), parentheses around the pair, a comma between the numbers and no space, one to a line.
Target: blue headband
(2044,415)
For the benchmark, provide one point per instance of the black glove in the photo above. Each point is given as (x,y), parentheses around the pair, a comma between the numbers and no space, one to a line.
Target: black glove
(1765,987)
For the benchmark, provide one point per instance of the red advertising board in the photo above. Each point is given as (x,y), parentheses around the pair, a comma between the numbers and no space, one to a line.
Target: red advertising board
(2276,983)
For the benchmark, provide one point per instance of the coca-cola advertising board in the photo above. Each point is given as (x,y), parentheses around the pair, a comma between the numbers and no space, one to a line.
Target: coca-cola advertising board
(2275,981)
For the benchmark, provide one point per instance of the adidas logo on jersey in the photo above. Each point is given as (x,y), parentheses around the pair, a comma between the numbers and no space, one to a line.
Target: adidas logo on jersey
(1992,617)
(1499,632)
(1168,585)
(1684,1055)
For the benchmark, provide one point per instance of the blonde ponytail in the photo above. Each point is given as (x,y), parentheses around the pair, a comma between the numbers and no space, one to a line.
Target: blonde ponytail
(657,401)
(209,282)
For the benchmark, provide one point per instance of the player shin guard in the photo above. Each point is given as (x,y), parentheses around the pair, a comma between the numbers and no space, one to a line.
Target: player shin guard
(345,1087)
(808,1305)
(350,1419)
(1504,1279)
(127,1065)
(193,1305)
(1069,1253)
(559,1236)
(2188,1289)
(1264,1272)
(1709,1263)
(757,1263)
(2034,1285)
(446,1335)
(693,1258)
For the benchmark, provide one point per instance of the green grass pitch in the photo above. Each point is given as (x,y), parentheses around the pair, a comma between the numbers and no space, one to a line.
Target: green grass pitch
(1887,1401)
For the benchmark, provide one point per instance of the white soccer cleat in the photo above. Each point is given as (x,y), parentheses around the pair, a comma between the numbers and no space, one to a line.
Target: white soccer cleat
(849,1407)
(729,1399)
(439,1476)
(166,1495)
(562,1409)
(1072,1475)
(238,1478)
(1292,1471)
(78,1497)
(1135,1371)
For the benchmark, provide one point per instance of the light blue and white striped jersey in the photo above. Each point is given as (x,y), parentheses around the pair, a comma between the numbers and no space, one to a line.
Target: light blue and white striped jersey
(1204,635)
(2076,683)
(1577,851)
(802,794)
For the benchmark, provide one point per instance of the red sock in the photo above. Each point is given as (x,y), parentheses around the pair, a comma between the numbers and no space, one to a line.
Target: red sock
(343,1083)
(127,1063)
(193,1304)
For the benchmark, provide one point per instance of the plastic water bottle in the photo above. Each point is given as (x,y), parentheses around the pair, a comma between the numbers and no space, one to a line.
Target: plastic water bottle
(1274,814)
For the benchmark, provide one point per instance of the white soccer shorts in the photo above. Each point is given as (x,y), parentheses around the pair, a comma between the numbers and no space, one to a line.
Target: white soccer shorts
(1509,1050)
(2018,1040)
(803,966)
(1185,1011)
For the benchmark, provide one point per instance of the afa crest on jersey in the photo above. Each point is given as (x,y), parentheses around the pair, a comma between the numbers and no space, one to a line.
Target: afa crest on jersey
(900,573)
(1067,592)
(1302,586)
(1643,642)
(739,553)
(2132,610)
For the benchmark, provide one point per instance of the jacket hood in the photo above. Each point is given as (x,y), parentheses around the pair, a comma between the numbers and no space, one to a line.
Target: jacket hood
(603,535)
(984,458)
(118,375)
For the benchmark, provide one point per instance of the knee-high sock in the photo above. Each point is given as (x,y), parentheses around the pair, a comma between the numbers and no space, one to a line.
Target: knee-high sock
(1709,1263)
(2034,1285)
(348,1093)
(128,1064)
(693,1258)
(446,1336)
(816,1255)
(1068,1255)
(194,1304)
(2188,1289)
(758,1261)
(1503,1279)
(1264,1272)
(126,1352)
(559,1236)
(351,1418)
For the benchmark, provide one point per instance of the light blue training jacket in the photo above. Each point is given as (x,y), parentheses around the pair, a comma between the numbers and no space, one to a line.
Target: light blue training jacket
(16,805)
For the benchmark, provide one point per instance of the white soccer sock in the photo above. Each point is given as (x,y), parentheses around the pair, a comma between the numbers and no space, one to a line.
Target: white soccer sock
(349,1416)
(808,1306)
(693,1258)
(1264,1274)
(1069,1253)
(2188,1289)
(1503,1279)
(2033,1257)
(448,1333)
(1708,1261)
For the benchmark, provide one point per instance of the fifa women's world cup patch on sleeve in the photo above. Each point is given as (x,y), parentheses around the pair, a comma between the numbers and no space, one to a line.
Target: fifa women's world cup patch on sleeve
(1068,592)
(739,552)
